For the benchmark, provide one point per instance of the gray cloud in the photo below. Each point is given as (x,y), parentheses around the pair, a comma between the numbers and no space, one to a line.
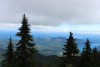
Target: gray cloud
(50,13)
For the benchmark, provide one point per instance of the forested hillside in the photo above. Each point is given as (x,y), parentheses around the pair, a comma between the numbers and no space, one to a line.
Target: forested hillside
(43,61)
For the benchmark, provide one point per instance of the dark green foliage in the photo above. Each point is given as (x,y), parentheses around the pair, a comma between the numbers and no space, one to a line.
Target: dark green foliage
(9,55)
(24,52)
(70,48)
(98,58)
(45,61)
(95,57)
(82,59)
(85,59)
(64,62)
(88,53)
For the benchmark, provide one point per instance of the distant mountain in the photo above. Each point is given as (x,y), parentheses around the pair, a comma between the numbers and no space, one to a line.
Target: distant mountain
(46,46)
(79,41)
(49,41)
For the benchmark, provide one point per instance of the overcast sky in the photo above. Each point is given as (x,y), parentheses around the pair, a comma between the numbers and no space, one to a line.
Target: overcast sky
(81,16)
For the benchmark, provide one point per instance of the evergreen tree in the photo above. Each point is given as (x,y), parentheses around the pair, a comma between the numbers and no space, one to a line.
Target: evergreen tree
(82,59)
(88,53)
(25,50)
(98,58)
(9,55)
(70,48)
(86,60)
(95,56)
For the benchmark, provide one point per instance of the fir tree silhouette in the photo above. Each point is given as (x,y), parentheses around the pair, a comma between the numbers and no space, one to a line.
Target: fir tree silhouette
(25,50)
(8,62)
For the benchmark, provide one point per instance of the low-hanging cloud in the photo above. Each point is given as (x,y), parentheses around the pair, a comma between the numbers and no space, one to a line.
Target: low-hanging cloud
(50,13)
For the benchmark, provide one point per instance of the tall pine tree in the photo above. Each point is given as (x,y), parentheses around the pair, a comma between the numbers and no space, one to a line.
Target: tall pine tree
(25,50)
(82,60)
(98,58)
(8,62)
(86,60)
(95,57)
(70,48)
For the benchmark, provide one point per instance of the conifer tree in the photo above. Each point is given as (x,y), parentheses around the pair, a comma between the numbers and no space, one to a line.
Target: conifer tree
(98,58)
(95,56)
(86,60)
(70,48)
(88,53)
(25,50)
(82,58)
(8,62)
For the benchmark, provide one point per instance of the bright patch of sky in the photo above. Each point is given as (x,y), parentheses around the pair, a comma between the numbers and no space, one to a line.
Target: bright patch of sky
(85,27)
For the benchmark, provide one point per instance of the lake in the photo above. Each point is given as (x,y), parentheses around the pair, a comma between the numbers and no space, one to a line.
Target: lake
(92,45)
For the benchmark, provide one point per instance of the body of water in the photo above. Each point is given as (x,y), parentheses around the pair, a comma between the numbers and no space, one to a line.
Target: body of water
(92,45)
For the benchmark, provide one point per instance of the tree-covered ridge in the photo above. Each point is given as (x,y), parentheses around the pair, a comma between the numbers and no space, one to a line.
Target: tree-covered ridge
(44,61)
